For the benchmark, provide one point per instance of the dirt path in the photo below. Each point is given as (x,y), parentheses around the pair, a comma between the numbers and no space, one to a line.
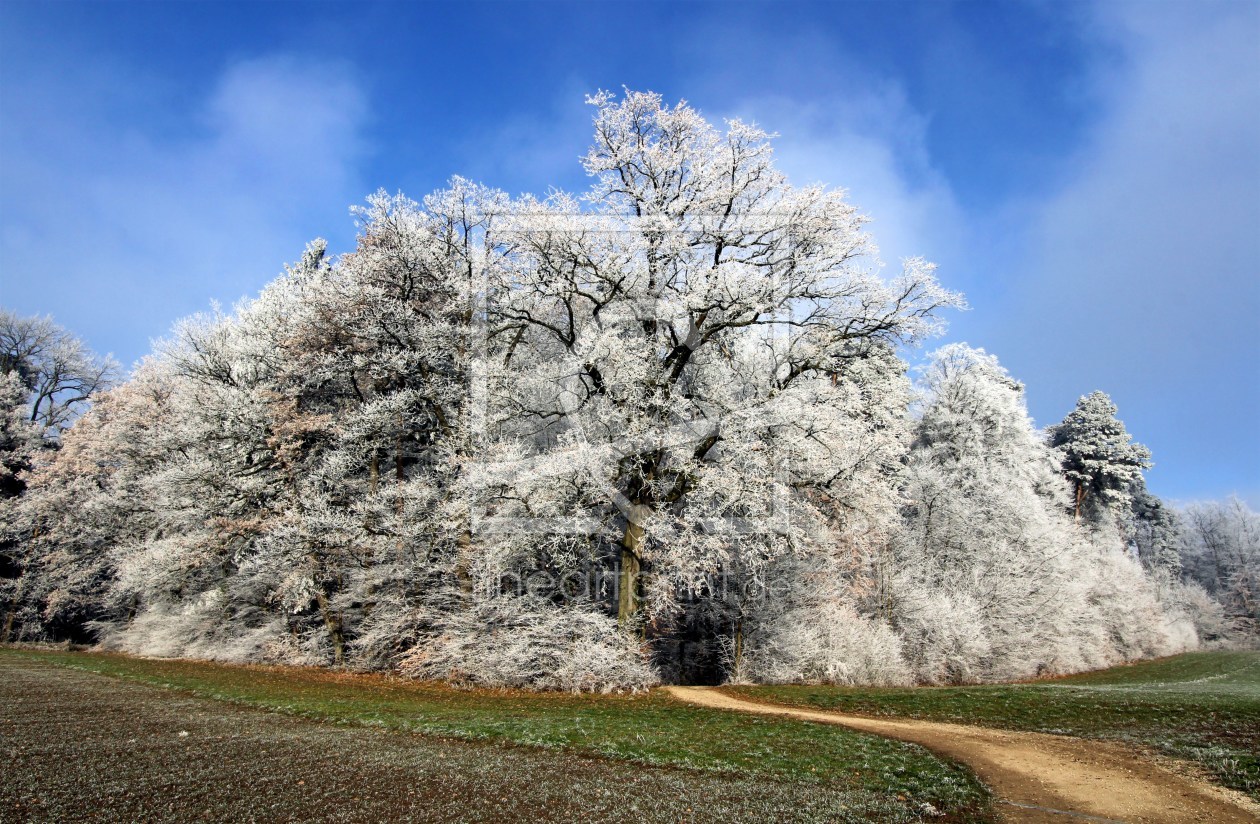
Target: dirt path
(1038,777)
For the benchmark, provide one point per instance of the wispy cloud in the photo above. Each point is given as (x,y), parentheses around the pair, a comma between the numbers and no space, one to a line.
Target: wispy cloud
(872,145)
(119,213)
(1140,273)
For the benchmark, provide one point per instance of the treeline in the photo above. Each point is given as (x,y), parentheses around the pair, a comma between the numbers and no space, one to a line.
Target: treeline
(658,432)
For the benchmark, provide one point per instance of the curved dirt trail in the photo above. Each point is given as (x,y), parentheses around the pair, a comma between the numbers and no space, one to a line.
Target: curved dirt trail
(1037,777)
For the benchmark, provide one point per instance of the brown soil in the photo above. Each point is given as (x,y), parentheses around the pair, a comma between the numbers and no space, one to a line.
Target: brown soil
(80,747)
(1039,777)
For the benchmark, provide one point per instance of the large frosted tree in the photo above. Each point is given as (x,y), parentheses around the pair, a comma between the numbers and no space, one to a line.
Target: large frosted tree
(683,356)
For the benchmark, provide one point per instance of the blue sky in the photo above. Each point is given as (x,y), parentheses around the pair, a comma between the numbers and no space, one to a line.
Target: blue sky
(1088,174)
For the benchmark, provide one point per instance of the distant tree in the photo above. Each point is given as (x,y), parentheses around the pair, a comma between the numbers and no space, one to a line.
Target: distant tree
(84,500)
(1221,552)
(1099,457)
(56,367)
(1153,530)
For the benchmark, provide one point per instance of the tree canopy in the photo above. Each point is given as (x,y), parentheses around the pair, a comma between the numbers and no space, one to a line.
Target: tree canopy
(660,430)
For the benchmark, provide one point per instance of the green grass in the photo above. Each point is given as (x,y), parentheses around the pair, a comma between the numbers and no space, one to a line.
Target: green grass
(651,728)
(1203,707)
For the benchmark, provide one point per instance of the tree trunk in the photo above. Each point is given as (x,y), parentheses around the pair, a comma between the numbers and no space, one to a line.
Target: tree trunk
(463,547)
(1080,498)
(628,580)
(332,623)
(400,464)
(5,634)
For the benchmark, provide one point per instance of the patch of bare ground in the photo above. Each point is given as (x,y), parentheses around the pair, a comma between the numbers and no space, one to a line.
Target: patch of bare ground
(83,747)
(1039,777)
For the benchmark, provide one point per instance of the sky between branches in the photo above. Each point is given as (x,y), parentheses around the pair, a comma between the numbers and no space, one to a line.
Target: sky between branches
(1089,175)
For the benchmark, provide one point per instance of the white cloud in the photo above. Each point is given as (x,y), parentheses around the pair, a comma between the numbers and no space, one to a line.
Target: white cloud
(110,219)
(873,146)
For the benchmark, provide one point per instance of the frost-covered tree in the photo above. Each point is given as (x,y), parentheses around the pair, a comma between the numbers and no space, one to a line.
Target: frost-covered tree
(314,429)
(1154,531)
(1099,457)
(47,379)
(377,366)
(659,430)
(1221,552)
(55,366)
(677,356)
(977,565)
(95,495)
(20,439)
(992,580)
(20,444)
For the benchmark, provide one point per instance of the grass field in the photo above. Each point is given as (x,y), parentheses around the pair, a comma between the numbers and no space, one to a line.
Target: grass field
(1203,707)
(574,753)
(741,767)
